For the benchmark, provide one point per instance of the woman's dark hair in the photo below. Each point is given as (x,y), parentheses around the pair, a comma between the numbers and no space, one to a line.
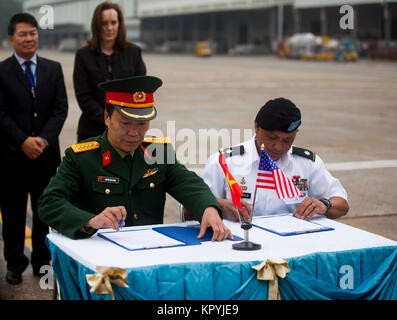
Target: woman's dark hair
(21,18)
(96,25)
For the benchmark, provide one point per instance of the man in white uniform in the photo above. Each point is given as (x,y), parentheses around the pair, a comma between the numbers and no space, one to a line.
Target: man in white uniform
(276,126)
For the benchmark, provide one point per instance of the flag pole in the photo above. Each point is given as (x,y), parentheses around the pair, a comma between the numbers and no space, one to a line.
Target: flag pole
(246,244)
(238,212)
(256,185)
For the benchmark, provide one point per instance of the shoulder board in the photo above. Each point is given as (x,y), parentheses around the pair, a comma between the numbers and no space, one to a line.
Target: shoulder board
(304,153)
(163,140)
(234,151)
(85,146)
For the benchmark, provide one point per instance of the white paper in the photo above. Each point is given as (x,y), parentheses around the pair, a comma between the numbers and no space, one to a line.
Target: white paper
(286,224)
(141,239)
(294,200)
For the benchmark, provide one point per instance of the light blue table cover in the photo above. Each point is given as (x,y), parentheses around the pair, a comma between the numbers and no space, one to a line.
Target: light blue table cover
(371,273)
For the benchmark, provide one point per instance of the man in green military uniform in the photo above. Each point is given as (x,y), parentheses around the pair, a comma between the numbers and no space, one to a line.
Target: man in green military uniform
(119,178)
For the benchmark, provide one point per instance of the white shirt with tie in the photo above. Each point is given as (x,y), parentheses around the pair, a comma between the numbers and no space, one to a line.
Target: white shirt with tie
(33,67)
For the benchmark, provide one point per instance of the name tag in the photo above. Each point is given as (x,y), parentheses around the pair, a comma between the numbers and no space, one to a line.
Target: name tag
(108,180)
(246,195)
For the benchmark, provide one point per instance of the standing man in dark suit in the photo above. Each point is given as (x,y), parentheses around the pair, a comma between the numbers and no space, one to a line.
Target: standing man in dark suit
(33,109)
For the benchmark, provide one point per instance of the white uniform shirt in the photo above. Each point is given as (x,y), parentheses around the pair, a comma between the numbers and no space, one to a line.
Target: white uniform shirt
(311,178)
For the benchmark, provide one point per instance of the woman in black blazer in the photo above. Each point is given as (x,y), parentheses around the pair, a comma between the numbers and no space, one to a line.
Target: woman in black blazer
(108,56)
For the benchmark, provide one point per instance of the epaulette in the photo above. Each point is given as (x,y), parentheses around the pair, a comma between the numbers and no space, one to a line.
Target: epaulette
(234,151)
(304,153)
(163,140)
(85,146)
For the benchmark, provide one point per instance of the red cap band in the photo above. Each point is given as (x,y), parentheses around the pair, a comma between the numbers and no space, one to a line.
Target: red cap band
(132,100)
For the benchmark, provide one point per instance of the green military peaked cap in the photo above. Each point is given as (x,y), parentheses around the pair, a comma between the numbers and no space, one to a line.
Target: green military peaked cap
(133,96)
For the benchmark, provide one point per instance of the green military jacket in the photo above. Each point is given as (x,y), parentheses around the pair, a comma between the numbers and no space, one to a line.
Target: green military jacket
(87,182)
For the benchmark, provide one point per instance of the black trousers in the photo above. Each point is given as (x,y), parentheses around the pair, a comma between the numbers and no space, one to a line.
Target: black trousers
(29,178)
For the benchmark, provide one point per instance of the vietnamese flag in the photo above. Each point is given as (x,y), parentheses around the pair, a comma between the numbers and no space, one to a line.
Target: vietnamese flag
(234,186)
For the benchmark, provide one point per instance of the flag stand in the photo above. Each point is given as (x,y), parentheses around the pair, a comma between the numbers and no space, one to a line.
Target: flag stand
(236,193)
(256,184)
(246,245)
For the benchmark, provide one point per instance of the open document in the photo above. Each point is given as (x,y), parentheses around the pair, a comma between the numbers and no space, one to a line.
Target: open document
(158,237)
(287,225)
(140,239)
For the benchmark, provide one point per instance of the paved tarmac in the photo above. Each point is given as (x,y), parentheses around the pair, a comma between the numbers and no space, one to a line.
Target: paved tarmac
(349,118)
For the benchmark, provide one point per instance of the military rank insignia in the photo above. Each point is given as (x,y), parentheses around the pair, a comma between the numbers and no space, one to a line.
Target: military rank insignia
(164,140)
(146,153)
(301,184)
(106,160)
(85,146)
(160,140)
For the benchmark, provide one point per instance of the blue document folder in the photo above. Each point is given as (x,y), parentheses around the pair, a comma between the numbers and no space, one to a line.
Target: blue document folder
(168,236)
(188,234)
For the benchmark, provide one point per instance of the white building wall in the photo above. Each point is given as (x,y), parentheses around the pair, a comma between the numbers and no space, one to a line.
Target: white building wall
(327,3)
(78,12)
(156,8)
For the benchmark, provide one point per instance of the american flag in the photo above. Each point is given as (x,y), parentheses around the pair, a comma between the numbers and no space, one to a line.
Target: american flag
(272,177)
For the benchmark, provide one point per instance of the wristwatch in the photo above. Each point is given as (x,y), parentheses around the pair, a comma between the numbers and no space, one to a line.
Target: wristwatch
(327,203)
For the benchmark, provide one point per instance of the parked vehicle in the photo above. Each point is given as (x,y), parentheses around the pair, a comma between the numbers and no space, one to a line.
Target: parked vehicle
(203,48)
(310,47)
(348,51)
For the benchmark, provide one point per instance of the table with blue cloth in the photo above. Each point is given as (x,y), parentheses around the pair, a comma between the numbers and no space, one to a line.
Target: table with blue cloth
(343,263)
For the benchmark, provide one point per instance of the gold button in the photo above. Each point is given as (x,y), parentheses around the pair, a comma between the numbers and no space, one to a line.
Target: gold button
(107,191)
(130,192)
(35,114)
(151,185)
(135,216)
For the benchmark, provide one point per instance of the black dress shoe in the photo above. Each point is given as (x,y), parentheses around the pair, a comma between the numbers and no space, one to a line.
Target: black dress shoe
(36,270)
(37,267)
(13,277)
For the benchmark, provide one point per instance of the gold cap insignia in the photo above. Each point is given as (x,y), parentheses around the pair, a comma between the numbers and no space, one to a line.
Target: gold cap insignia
(139,96)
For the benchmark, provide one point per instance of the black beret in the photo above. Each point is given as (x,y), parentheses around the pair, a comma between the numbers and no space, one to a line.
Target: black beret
(279,114)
